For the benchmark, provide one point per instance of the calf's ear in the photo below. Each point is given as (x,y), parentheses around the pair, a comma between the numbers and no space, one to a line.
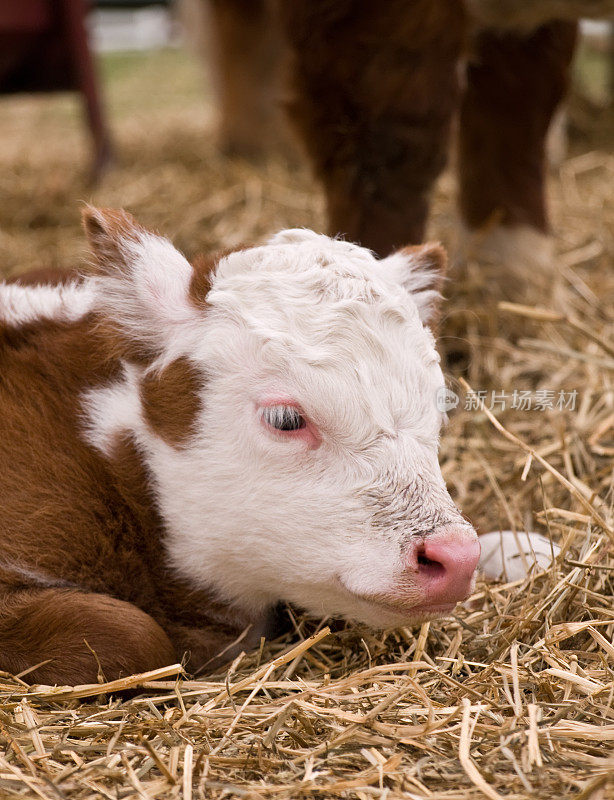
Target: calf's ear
(144,283)
(421,269)
(110,232)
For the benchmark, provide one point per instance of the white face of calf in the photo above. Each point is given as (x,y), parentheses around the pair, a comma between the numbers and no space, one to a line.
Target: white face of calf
(312,474)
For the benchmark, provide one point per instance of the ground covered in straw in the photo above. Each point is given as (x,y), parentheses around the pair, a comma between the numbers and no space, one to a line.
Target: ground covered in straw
(513,696)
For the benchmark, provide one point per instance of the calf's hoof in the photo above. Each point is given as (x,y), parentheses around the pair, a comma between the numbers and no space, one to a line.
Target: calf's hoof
(510,556)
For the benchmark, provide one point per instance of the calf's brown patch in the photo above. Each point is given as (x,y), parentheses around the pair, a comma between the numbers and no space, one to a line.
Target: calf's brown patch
(203,268)
(171,401)
(48,276)
(203,271)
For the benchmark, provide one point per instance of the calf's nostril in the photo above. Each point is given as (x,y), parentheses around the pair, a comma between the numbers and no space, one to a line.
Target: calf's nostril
(442,565)
(429,566)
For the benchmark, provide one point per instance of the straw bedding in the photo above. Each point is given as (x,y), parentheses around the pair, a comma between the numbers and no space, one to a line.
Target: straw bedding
(513,696)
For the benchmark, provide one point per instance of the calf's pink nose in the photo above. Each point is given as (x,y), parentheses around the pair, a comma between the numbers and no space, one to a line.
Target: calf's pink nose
(445,563)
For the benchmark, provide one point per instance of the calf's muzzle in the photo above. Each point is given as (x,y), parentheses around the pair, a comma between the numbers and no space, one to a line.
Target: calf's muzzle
(442,565)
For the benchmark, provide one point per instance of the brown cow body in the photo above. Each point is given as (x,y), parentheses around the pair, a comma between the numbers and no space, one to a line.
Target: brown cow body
(373,90)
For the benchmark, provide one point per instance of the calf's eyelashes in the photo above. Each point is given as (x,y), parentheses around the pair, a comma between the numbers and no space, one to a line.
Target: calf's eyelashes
(283,418)
(286,422)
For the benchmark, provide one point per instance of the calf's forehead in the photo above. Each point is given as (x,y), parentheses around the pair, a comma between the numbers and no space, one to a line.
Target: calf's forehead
(317,250)
(321,267)
(316,300)
(371,394)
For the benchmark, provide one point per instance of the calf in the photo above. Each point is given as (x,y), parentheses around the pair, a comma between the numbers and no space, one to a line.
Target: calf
(184,446)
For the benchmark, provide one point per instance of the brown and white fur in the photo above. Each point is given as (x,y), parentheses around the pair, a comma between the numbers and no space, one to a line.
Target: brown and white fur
(184,446)
(146,509)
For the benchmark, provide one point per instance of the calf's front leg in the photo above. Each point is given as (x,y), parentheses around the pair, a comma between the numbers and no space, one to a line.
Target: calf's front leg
(75,635)
(512,555)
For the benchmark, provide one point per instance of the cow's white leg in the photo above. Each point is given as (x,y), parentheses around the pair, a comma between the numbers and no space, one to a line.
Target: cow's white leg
(511,556)
(557,143)
(517,247)
(515,84)
(516,263)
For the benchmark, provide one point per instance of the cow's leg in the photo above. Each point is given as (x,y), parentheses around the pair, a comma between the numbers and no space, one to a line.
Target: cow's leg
(77,635)
(244,46)
(515,83)
(373,90)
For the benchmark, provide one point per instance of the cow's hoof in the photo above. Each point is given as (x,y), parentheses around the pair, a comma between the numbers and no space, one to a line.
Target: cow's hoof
(510,556)
(516,264)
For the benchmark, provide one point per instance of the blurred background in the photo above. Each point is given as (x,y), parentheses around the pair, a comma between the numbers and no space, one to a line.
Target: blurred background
(159,116)
(156,148)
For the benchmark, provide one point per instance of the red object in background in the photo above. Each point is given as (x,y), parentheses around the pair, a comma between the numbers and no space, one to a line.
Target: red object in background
(44,48)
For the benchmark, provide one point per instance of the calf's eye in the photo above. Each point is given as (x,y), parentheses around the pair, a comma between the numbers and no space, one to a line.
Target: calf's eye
(283,418)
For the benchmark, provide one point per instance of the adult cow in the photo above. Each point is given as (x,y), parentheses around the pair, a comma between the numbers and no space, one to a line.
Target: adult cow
(372,90)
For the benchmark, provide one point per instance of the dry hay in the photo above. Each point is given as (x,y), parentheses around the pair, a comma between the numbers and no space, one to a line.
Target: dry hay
(513,696)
